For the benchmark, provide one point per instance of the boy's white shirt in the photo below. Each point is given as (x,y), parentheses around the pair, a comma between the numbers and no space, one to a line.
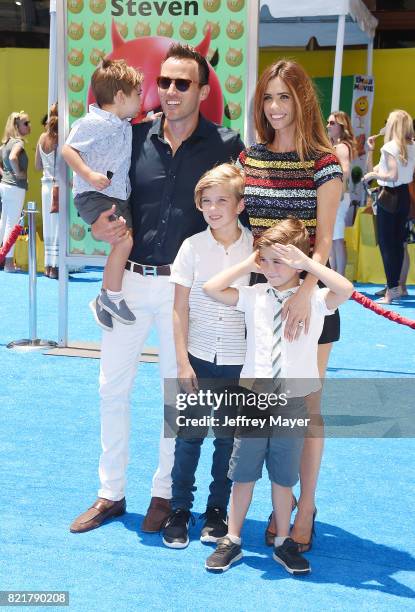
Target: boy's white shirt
(299,357)
(104,141)
(214,328)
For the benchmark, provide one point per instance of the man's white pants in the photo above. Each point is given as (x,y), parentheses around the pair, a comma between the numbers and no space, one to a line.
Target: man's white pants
(151,300)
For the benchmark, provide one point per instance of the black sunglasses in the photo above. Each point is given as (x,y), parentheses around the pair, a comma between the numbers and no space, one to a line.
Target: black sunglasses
(331,122)
(180,84)
(26,123)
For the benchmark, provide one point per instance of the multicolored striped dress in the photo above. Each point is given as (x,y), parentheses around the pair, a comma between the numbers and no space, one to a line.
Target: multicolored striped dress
(279,185)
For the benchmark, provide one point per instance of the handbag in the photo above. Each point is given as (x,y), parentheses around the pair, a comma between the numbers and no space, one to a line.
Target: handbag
(388,200)
(54,207)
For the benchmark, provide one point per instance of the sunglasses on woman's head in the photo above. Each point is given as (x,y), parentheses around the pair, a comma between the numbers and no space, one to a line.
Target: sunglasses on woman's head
(180,84)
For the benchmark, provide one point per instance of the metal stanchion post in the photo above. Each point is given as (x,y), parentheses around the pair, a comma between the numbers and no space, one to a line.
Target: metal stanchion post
(32,343)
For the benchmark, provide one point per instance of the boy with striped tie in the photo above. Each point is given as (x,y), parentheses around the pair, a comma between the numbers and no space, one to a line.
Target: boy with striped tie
(210,345)
(280,254)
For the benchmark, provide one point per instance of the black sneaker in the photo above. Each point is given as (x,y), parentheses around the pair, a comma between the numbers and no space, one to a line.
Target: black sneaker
(225,554)
(215,526)
(287,554)
(175,531)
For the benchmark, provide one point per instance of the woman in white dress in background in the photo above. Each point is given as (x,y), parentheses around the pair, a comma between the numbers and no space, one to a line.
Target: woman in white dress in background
(46,160)
(13,187)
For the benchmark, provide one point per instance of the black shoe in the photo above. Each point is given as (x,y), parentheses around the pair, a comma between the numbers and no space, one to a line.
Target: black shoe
(307,546)
(225,554)
(215,526)
(175,530)
(290,558)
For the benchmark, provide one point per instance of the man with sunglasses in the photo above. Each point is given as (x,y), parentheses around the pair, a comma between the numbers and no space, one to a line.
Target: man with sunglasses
(169,156)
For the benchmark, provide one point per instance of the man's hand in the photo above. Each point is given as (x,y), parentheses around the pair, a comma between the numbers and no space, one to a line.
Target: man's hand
(98,180)
(107,230)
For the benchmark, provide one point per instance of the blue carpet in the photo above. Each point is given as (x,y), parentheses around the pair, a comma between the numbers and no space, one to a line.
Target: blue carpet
(363,557)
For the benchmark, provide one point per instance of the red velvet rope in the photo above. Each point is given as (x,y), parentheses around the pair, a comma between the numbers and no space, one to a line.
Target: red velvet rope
(388,314)
(11,239)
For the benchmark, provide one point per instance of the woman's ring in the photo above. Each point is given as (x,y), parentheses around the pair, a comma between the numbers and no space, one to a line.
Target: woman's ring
(300,323)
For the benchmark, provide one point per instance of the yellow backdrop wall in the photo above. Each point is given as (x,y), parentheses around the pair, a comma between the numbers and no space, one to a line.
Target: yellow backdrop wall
(24,79)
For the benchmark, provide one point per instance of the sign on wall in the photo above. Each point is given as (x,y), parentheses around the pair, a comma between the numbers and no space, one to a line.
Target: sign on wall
(141,31)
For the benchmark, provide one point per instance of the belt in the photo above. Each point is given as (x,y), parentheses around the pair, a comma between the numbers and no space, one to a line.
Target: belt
(147,270)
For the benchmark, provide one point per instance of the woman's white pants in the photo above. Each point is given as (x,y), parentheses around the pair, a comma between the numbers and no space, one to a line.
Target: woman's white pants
(50,225)
(12,204)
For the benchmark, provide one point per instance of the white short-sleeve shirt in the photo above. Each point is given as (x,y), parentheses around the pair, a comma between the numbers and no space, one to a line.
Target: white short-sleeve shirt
(104,142)
(405,172)
(299,357)
(214,328)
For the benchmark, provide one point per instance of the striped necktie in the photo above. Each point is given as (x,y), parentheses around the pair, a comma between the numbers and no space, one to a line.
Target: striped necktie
(280,297)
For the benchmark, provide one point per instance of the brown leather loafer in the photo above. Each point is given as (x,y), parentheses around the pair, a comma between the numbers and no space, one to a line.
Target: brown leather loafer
(97,514)
(158,510)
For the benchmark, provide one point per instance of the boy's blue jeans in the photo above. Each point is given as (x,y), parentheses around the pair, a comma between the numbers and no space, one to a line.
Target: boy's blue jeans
(187,452)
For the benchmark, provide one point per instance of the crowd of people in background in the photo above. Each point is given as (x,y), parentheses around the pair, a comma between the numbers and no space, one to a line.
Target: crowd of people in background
(14,164)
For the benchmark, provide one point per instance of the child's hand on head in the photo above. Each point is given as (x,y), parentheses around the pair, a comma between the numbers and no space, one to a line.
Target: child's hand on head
(290,255)
(252,263)
(98,180)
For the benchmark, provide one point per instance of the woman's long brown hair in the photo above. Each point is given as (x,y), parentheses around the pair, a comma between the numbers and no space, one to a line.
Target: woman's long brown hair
(310,134)
(347,136)
(52,124)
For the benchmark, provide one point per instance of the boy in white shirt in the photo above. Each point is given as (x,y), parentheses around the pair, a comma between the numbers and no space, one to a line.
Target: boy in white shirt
(280,254)
(98,149)
(210,344)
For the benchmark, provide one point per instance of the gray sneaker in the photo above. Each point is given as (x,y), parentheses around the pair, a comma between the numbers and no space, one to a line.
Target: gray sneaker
(101,316)
(119,311)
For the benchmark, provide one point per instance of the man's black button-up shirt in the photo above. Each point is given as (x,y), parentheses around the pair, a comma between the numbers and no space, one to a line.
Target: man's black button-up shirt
(162,196)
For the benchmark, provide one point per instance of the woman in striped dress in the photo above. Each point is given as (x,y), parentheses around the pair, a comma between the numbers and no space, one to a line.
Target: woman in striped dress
(293,172)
